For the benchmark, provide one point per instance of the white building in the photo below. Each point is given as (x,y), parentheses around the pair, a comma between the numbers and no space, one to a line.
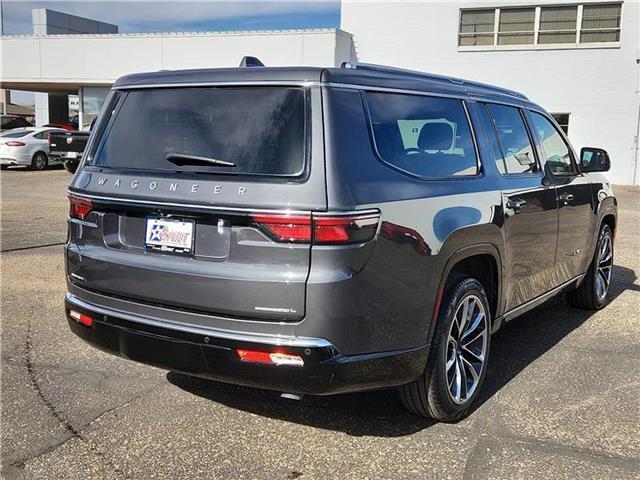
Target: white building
(580,60)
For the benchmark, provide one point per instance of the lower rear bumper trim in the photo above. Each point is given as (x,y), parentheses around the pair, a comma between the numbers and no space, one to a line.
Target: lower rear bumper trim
(325,370)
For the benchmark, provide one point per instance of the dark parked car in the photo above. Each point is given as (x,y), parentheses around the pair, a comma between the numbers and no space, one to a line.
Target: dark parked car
(68,147)
(315,231)
(7,122)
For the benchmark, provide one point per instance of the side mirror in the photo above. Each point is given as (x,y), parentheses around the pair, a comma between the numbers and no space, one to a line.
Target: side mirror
(594,160)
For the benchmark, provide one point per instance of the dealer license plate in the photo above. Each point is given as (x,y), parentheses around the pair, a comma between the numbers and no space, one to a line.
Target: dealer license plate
(169,235)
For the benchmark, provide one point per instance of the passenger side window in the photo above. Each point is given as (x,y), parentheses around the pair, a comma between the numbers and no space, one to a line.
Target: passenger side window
(42,135)
(557,152)
(514,140)
(424,136)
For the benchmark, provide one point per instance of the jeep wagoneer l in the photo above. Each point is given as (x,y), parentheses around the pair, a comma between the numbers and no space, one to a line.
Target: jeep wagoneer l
(325,230)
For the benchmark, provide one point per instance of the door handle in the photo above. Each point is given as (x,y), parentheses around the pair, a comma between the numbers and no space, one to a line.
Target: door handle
(516,204)
(566,198)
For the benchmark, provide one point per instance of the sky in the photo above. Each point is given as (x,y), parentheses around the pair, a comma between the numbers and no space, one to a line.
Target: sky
(182,16)
(177,16)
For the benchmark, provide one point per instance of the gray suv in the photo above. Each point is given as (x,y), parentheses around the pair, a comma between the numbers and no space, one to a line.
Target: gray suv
(326,230)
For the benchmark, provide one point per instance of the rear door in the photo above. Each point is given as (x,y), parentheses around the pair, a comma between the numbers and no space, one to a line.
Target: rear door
(529,207)
(193,194)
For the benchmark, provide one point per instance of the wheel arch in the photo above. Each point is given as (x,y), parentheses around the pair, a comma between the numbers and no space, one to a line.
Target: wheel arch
(471,260)
(610,219)
(608,214)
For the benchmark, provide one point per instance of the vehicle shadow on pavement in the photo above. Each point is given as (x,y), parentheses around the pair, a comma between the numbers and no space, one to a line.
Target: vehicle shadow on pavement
(519,343)
(380,413)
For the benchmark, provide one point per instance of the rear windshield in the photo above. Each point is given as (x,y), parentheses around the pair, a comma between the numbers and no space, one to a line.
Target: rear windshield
(239,130)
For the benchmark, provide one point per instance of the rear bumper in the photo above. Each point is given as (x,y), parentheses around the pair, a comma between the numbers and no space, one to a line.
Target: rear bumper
(212,354)
(15,159)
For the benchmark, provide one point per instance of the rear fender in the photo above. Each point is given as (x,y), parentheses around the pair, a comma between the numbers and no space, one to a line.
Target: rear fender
(456,250)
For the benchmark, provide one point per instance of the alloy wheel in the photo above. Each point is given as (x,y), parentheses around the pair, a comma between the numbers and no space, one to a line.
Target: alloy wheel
(466,349)
(604,267)
(40,161)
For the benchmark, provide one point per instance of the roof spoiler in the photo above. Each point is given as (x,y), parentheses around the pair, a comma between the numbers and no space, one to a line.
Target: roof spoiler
(250,62)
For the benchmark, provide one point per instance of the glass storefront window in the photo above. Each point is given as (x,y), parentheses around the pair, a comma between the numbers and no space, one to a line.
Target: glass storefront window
(92,100)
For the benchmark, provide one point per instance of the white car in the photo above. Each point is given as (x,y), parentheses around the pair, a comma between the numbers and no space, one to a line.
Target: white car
(27,146)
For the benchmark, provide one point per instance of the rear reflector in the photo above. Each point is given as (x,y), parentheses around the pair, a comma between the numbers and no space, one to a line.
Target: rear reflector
(319,229)
(79,207)
(81,318)
(270,358)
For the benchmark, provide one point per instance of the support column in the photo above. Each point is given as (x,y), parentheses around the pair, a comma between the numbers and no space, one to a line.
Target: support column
(80,108)
(42,108)
(6,100)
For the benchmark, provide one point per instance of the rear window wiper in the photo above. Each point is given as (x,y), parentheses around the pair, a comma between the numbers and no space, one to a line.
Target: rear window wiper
(182,159)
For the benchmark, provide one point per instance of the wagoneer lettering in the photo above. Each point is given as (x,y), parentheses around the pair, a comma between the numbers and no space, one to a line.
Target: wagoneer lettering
(325,230)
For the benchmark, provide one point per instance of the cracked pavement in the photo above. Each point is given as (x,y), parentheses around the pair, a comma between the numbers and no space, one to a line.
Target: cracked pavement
(560,400)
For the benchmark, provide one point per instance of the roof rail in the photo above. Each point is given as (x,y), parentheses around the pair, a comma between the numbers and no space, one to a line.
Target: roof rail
(430,76)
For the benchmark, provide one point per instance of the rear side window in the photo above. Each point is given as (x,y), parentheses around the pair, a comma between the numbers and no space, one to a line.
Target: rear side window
(43,135)
(421,135)
(514,139)
(250,130)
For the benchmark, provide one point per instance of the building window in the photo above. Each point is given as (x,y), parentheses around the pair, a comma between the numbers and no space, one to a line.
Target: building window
(563,121)
(477,27)
(542,25)
(516,26)
(558,24)
(601,23)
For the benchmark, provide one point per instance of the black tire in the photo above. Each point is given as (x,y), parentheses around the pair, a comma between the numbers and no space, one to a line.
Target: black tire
(4,167)
(39,161)
(588,295)
(70,165)
(431,394)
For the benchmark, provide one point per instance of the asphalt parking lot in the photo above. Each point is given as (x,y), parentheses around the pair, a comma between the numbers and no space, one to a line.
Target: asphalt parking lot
(560,401)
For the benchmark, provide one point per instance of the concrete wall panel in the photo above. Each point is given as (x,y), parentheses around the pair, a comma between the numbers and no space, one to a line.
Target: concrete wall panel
(597,86)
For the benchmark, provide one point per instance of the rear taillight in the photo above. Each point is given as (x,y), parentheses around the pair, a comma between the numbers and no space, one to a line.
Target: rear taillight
(343,229)
(49,139)
(319,229)
(79,207)
(286,228)
(13,143)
